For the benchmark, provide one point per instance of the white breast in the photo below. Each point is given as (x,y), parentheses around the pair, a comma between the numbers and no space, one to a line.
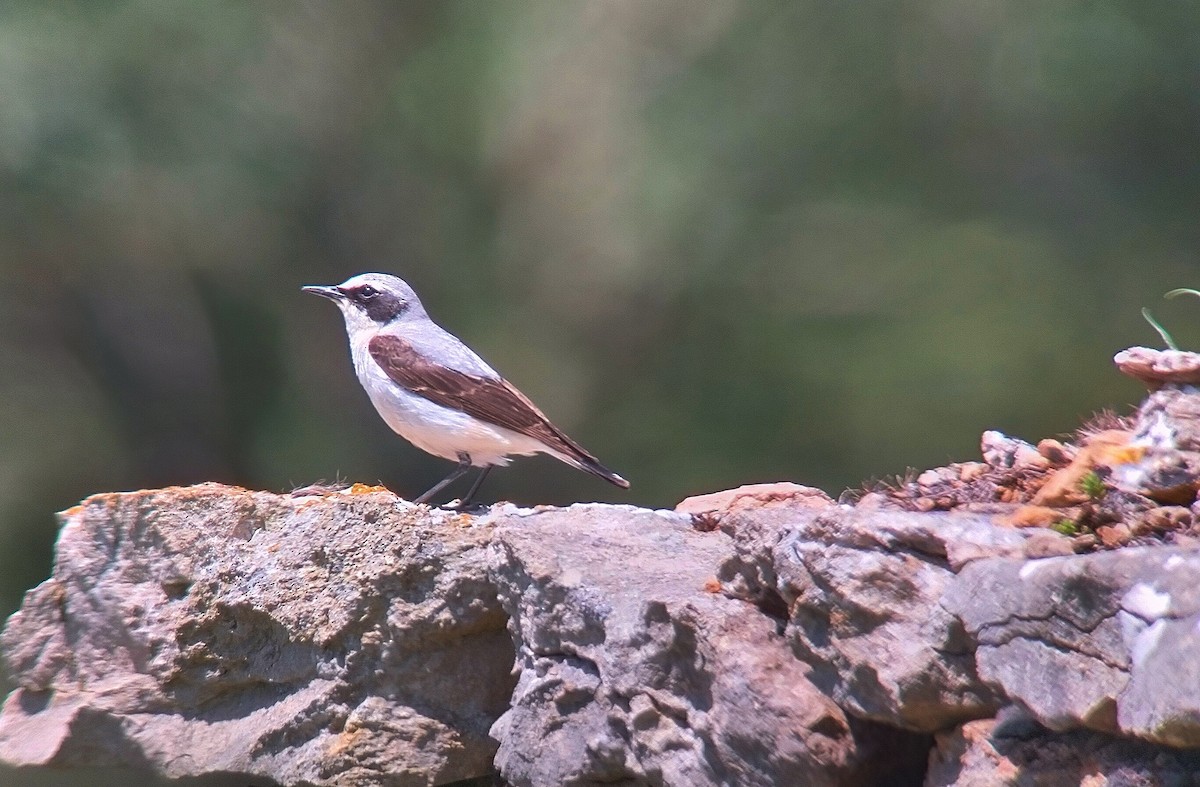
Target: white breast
(442,431)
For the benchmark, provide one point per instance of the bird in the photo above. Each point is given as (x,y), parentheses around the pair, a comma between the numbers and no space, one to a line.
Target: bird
(437,393)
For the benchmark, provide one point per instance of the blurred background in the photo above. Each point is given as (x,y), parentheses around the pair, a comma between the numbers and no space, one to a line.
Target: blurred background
(718,243)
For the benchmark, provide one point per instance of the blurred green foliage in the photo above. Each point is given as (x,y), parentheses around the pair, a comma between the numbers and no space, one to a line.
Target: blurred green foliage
(718,243)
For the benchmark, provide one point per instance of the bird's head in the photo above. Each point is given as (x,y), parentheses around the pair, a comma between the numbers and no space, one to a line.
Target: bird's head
(370,301)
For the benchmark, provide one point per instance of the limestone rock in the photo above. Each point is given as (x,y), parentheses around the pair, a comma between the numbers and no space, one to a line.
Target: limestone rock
(753,497)
(352,638)
(349,640)
(765,636)
(1156,368)
(864,592)
(985,754)
(1104,641)
(1163,461)
(754,533)
(631,671)
(1000,450)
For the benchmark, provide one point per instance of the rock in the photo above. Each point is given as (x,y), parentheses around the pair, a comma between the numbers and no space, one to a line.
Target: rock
(1156,368)
(863,590)
(937,476)
(764,636)
(749,573)
(1048,544)
(1066,486)
(707,510)
(1000,450)
(1084,542)
(351,639)
(1163,519)
(1114,535)
(1085,641)
(971,471)
(983,754)
(1036,516)
(1163,460)
(1056,452)
(631,672)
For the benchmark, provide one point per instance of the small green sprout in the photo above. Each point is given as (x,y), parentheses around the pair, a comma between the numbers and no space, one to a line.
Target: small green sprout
(1065,526)
(1092,485)
(1166,337)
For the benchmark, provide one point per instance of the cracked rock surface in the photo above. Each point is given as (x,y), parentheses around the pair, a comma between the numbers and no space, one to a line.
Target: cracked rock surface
(765,635)
(651,677)
(860,591)
(1106,641)
(350,639)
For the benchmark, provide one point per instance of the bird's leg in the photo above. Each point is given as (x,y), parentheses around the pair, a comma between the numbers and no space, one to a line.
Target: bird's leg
(466,501)
(464,464)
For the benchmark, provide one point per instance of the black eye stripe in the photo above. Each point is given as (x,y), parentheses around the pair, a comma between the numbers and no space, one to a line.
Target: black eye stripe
(382,307)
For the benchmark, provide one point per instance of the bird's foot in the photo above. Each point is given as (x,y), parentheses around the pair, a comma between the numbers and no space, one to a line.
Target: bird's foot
(475,509)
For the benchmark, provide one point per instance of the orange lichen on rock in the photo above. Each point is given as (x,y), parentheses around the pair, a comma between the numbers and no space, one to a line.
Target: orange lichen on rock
(1065,487)
(365,489)
(1034,516)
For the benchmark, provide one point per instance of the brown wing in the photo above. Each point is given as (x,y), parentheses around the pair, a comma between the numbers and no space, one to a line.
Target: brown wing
(492,400)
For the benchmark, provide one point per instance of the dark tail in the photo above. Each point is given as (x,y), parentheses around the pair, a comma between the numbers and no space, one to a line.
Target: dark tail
(574,454)
(582,460)
(590,465)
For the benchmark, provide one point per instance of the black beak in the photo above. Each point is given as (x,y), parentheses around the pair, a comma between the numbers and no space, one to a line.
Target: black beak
(332,293)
